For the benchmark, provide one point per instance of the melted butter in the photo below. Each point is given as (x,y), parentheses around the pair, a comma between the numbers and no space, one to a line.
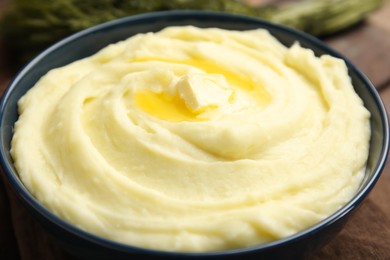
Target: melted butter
(174,109)
(164,107)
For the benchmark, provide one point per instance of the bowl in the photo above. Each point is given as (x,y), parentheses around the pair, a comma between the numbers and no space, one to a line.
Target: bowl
(86,245)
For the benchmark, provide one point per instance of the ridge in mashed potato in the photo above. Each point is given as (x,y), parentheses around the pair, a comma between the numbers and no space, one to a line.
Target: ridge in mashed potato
(194,139)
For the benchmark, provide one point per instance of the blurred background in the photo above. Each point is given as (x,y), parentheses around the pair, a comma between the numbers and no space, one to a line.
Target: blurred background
(28,26)
(358,29)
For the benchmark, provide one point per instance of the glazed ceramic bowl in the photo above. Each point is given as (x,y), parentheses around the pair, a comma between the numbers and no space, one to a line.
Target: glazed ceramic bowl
(87,42)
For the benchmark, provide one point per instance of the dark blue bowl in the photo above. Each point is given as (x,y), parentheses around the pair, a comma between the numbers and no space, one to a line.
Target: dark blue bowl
(87,42)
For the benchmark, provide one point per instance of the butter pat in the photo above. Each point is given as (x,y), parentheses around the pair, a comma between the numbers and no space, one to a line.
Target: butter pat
(201,91)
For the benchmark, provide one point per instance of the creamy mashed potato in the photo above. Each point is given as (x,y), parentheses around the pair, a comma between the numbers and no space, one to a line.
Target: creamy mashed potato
(194,139)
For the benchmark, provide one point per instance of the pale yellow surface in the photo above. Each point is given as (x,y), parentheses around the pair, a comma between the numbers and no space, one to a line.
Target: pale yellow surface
(127,144)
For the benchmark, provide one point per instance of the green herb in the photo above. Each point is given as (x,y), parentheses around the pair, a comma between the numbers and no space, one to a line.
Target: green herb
(29,26)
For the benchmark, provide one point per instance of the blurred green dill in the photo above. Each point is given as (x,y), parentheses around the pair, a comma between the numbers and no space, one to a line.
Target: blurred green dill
(29,26)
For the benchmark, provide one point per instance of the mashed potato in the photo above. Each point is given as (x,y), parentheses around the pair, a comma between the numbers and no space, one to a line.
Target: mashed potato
(194,139)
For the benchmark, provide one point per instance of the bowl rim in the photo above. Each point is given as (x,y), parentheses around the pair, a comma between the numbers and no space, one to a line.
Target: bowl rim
(32,202)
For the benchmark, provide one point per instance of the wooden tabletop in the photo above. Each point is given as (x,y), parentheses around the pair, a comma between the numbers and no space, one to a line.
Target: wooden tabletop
(367,234)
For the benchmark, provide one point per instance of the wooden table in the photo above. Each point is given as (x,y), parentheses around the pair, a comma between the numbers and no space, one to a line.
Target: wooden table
(366,236)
